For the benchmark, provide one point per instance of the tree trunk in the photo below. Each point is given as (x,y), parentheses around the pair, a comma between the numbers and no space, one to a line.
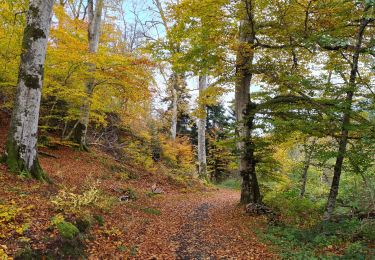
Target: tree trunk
(174,107)
(202,168)
(95,18)
(308,154)
(343,141)
(244,108)
(21,148)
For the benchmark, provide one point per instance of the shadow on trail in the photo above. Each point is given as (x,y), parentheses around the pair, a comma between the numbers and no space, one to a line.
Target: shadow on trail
(192,240)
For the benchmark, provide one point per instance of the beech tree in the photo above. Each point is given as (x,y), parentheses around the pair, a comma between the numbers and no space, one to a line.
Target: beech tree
(177,77)
(21,148)
(203,39)
(358,37)
(243,107)
(95,19)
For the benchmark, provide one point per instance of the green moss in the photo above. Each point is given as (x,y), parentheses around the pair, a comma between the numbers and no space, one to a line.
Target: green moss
(151,211)
(16,165)
(99,219)
(12,157)
(38,173)
(67,230)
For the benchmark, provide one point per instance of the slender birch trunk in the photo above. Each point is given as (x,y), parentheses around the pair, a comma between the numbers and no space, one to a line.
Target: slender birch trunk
(343,141)
(202,167)
(174,106)
(95,19)
(21,148)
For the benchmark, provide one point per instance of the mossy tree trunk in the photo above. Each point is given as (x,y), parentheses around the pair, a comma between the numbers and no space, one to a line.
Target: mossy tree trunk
(21,147)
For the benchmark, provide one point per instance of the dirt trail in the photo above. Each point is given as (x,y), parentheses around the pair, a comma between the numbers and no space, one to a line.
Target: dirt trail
(202,226)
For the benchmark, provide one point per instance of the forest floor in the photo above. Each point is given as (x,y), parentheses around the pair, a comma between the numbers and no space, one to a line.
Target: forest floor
(187,221)
(207,225)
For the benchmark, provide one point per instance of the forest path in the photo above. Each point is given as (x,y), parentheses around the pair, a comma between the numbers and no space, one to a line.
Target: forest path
(208,225)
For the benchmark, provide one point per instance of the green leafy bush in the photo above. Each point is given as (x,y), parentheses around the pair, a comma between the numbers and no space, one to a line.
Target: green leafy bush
(294,209)
(294,242)
(355,251)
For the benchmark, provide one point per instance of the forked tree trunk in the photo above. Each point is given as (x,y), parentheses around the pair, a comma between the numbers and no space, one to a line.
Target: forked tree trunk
(202,160)
(21,148)
(95,18)
(343,141)
(243,106)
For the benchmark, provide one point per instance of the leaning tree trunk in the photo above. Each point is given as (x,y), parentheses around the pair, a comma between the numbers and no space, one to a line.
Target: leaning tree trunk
(343,141)
(202,167)
(95,18)
(21,148)
(244,109)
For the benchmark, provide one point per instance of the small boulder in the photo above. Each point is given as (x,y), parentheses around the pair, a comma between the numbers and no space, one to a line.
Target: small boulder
(156,190)
(256,209)
(124,198)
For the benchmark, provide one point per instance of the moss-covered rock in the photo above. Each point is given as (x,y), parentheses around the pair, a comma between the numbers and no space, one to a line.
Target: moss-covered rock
(66,229)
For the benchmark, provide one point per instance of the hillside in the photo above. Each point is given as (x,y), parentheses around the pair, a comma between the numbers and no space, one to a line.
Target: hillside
(188,220)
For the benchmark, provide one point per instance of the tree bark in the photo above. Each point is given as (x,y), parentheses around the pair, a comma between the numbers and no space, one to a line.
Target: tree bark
(202,160)
(244,109)
(309,149)
(95,19)
(343,141)
(174,106)
(21,148)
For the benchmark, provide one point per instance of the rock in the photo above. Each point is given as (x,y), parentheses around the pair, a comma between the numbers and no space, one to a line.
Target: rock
(124,198)
(156,190)
(256,209)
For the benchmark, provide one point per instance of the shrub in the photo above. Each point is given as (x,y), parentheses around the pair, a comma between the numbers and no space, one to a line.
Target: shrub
(293,209)
(178,154)
(71,202)
(3,254)
(13,219)
(310,243)
(140,153)
(367,229)
(355,251)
